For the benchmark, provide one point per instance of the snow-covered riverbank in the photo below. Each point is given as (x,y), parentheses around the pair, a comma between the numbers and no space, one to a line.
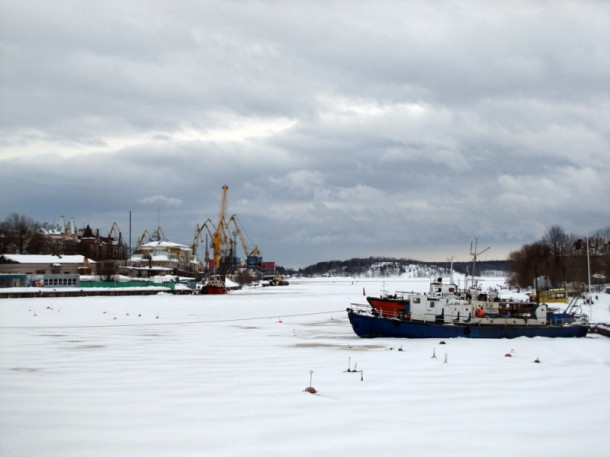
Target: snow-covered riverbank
(225,375)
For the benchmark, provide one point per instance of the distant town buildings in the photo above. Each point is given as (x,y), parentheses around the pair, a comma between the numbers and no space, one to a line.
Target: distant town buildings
(162,257)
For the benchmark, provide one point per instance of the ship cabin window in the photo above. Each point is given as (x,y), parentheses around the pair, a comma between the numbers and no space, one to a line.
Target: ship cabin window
(416,300)
(431,304)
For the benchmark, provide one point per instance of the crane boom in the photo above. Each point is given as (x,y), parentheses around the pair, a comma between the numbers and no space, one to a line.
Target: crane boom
(114,230)
(249,253)
(144,236)
(475,254)
(160,234)
(198,230)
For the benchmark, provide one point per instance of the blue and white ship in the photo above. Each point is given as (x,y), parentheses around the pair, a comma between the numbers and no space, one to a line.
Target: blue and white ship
(467,314)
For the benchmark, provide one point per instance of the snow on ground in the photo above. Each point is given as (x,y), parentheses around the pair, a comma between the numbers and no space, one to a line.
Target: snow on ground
(225,375)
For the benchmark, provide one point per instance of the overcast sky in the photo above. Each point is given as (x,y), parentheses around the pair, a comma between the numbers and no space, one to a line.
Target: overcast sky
(342,128)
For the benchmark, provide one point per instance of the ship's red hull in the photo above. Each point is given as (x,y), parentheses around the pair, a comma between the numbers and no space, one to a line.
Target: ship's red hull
(213,289)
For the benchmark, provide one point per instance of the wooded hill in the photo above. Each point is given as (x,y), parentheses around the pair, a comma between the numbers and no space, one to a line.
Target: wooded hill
(389,266)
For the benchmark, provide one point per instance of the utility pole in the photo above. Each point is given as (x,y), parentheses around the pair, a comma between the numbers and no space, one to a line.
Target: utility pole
(129,254)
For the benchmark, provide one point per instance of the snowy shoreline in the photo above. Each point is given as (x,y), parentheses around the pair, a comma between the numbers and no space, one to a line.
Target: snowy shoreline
(225,375)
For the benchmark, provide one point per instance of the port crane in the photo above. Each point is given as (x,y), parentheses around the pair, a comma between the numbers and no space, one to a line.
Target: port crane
(157,235)
(143,237)
(219,237)
(197,239)
(115,242)
(114,230)
(223,238)
(253,256)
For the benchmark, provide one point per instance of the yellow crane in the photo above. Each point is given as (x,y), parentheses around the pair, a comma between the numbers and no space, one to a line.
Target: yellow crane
(219,238)
(223,239)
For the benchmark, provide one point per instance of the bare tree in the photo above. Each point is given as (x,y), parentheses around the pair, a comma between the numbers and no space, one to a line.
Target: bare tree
(4,238)
(562,257)
(557,240)
(18,234)
(527,263)
(559,245)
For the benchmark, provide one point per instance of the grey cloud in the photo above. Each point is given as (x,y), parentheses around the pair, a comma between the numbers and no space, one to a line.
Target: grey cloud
(160,199)
(342,128)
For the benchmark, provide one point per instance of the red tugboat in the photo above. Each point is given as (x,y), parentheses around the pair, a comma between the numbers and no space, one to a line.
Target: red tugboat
(215,285)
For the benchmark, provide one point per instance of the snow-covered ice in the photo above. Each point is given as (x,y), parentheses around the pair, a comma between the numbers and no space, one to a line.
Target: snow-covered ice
(197,375)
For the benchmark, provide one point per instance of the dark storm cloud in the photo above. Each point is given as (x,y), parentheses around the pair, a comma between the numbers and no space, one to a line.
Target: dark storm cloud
(341,128)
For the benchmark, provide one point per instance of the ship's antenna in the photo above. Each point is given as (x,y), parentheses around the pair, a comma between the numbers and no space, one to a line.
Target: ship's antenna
(589,296)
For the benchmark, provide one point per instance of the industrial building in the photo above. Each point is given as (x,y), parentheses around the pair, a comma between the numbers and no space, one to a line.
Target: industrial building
(21,270)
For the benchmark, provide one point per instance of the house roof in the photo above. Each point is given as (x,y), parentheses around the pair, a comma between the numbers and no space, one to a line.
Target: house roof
(40,258)
(165,244)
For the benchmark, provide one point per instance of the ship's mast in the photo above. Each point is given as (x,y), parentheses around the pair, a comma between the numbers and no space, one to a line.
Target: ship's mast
(475,254)
(450,259)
